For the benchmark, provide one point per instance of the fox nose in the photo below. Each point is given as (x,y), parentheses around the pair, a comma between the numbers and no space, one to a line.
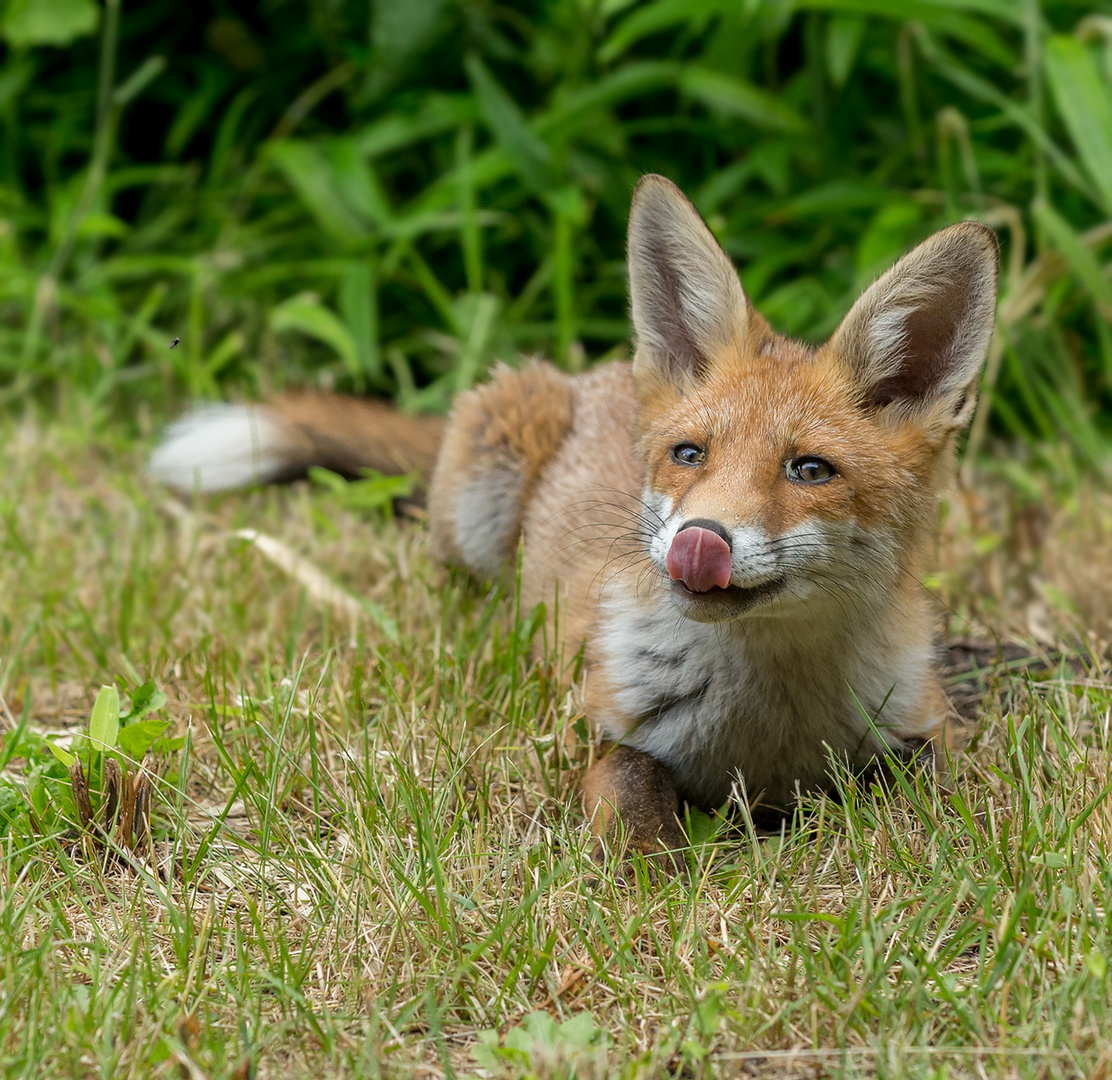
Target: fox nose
(700,556)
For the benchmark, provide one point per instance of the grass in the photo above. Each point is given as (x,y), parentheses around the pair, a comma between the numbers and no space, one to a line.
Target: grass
(369,856)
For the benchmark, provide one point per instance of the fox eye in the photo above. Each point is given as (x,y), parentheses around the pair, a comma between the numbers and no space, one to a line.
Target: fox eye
(688,454)
(810,470)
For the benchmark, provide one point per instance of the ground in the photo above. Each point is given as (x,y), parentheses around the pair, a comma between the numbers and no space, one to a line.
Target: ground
(368,855)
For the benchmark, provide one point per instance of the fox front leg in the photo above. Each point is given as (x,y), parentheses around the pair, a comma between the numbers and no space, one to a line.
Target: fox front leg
(629,796)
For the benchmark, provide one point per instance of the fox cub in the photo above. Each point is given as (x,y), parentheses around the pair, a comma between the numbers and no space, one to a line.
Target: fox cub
(735,523)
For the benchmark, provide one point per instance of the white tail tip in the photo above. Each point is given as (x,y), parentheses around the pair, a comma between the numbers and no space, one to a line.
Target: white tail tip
(218,447)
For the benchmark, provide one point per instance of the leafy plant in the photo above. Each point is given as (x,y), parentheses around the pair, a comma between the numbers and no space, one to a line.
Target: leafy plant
(542,1047)
(98,788)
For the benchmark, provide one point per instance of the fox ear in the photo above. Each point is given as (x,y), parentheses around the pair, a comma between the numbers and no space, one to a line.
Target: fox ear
(686,300)
(918,336)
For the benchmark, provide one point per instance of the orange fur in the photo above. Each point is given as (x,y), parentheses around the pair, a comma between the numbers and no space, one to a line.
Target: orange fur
(508,428)
(348,434)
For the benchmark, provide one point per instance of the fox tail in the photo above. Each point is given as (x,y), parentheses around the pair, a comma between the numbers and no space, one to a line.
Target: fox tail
(219,447)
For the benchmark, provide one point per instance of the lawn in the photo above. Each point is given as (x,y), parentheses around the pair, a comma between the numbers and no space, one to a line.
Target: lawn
(354,846)
(368,858)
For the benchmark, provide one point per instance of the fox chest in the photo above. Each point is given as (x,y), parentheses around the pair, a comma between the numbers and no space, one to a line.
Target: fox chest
(715,703)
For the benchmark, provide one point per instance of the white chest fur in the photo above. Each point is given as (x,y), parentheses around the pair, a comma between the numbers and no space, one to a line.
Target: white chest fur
(766,698)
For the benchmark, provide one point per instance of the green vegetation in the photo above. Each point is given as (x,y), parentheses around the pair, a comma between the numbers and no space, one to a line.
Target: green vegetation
(388,204)
(363,855)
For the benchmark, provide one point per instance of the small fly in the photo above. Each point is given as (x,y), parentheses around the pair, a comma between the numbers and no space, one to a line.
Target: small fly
(175,343)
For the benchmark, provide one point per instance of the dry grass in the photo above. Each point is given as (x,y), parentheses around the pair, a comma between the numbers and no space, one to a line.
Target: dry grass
(376,854)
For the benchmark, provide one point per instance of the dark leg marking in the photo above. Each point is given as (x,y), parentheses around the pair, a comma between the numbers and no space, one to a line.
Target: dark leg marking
(631,795)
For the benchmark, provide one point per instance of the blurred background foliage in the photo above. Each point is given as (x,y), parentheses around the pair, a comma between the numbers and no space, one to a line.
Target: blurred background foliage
(387,197)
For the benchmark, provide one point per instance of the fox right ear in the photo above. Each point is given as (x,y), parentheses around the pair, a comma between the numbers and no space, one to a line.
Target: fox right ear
(918,336)
(686,301)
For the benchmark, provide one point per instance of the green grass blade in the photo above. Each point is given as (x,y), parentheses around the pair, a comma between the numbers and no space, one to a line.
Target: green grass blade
(1082,260)
(529,153)
(1083,95)
(307,170)
(731,96)
(307,315)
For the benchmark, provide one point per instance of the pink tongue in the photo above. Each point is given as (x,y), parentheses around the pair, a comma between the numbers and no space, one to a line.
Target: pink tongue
(700,559)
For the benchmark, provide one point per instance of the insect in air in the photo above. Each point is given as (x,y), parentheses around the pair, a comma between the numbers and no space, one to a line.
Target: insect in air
(174,344)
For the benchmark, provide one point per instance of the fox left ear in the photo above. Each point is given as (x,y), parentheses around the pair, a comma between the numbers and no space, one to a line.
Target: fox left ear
(919,334)
(686,301)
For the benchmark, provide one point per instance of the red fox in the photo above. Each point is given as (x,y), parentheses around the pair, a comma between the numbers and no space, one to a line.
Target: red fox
(735,522)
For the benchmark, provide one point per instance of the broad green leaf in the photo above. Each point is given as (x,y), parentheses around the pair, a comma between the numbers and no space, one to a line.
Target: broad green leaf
(104,724)
(355,181)
(843,39)
(168,746)
(309,173)
(735,97)
(1052,860)
(1084,98)
(147,698)
(487,1051)
(437,114)
(64,756)
(529,153)
(48,22)
(306,314)
(359,306)
(328,479)
(651,18)
(94,226)
(537,1027)
(159,1053)
(372,492)
(12,800)
(136,739)
(36,790)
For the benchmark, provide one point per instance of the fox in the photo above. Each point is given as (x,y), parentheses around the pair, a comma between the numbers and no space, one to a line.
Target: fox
(733,526)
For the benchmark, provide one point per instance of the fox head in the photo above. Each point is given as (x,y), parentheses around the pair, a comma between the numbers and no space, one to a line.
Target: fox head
(781,477)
